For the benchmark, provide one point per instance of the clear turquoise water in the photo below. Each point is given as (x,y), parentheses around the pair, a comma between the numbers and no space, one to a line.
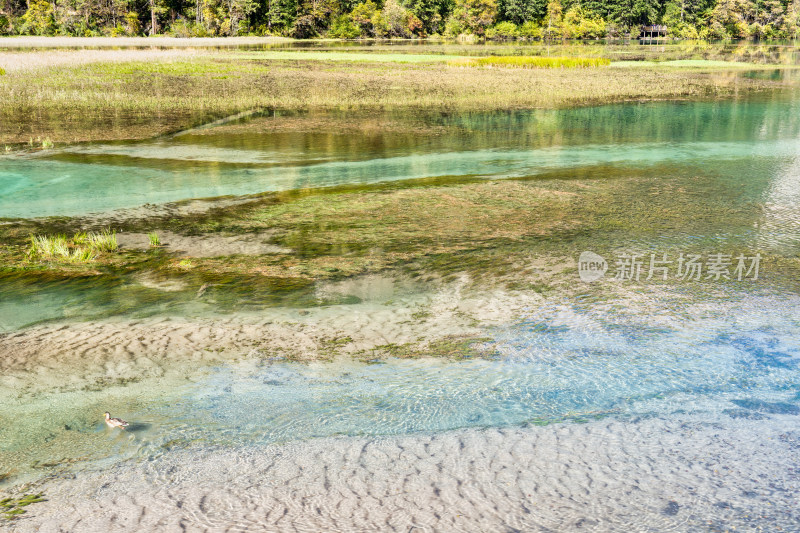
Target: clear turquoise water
(715,350)
(689,137)
(734,355)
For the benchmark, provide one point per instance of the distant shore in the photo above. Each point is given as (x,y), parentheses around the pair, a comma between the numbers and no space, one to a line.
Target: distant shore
(31,41)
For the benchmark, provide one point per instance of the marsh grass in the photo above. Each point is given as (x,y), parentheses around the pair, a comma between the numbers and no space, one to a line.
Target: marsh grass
(49,247)
(136,99)
(532,62)
(105,241)
(82,248)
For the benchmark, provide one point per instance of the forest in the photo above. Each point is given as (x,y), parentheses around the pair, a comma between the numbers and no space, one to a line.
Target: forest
(354,19)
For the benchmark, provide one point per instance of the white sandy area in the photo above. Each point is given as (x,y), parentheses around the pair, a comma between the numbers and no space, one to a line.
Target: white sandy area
(650,475)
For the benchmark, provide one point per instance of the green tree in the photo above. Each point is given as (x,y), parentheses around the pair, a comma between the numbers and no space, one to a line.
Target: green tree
(521,11)
(631,13)
(279,14)
(314,16)
(39,19)
(363,16)
(475,16)
(396,18)
(792,20)
(553,20)
(431,13)
(730,19)
(238,11)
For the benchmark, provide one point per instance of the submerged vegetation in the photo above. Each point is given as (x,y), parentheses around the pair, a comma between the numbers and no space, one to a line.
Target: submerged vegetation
(12,508)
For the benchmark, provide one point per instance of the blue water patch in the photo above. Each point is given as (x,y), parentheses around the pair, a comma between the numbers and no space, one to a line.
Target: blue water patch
(561,365)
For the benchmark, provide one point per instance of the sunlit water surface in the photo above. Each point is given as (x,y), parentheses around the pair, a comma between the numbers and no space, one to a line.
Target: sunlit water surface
(686,136)
(729,353)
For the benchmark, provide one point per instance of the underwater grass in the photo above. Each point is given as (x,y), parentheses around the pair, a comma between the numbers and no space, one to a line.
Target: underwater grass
(154,239)
(12,508)
(532,62)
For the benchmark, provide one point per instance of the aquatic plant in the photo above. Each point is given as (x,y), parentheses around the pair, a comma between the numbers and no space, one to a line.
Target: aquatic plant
(105,241)
(532,62)
(47,144)
(2,71)
(155,241)
(49,247)
(11,508)
(82,248)
(82,255)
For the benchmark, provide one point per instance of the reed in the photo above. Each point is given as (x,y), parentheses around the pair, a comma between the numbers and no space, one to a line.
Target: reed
(532,62)
(110,100)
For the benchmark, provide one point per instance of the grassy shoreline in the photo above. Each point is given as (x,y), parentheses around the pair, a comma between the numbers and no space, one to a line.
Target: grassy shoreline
(155,95)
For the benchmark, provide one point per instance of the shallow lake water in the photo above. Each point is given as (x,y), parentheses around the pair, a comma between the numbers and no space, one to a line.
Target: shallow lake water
(643,363)
(686,136)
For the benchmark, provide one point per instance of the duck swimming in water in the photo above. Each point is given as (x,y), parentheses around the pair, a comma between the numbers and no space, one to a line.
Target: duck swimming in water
(115,422)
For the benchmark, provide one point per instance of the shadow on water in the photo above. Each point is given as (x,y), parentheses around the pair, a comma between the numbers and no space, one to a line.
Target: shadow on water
(138,427)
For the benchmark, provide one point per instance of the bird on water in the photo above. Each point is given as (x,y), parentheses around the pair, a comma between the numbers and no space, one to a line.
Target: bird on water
(115,422)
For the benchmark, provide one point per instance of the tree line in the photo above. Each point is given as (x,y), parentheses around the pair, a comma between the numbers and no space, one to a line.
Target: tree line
(351,19)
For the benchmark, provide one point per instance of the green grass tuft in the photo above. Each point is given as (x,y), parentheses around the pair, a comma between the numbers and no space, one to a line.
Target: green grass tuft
(155,241)
(82,248)
(51,247)
(105,241)
(82,255)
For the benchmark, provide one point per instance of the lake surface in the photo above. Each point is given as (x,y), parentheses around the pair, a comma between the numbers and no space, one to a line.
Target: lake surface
(685,136)
(714,354)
